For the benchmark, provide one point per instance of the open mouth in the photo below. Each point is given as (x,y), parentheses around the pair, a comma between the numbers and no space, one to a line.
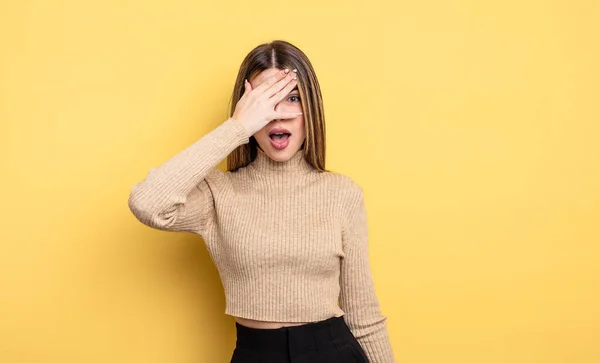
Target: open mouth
(280,137)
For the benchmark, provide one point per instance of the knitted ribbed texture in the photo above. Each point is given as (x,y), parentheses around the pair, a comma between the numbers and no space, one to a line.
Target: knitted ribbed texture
(289,242)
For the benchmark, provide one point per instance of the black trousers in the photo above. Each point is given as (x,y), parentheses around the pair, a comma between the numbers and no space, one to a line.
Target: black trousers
(326,341)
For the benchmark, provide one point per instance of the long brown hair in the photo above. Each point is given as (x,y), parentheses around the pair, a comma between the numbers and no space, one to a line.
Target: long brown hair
(281,54)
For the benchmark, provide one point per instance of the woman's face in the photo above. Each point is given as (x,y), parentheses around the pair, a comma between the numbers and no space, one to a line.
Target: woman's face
(281,148)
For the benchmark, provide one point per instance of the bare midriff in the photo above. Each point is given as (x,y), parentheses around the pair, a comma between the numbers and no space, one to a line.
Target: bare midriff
(257,324)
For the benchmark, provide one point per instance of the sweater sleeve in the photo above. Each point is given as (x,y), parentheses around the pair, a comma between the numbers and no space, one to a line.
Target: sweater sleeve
(358,298)
(175,195)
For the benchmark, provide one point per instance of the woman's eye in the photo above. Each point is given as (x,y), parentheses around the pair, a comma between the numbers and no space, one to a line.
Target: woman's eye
(294,98)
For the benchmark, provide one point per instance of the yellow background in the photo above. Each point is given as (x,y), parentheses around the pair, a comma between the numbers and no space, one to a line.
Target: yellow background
(471,125)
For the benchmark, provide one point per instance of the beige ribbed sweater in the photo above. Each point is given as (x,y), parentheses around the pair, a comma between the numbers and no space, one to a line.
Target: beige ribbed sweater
(289,242)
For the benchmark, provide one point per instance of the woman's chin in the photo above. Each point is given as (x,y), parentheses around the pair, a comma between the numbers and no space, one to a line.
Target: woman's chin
(283,154)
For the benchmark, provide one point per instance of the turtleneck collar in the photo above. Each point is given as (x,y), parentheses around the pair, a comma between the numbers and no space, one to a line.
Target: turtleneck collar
(296,164)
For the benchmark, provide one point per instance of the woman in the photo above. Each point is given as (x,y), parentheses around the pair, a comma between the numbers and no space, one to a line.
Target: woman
(288,237)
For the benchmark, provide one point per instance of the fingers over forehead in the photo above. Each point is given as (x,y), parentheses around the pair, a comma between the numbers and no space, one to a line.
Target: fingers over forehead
(263,76)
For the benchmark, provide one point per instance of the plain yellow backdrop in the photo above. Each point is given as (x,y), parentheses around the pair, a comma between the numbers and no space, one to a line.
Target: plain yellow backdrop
(471,125)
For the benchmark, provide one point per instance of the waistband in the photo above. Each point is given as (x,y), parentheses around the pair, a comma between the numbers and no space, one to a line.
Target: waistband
(298,338)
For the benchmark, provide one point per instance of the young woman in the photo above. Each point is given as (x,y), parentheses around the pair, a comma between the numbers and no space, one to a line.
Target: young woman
(288,237)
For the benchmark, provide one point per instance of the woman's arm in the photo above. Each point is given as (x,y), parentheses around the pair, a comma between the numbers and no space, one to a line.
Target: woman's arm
(358,299)
(175,196)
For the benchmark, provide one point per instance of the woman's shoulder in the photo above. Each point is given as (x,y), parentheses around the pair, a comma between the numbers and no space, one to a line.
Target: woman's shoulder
(217,175)
(342,183)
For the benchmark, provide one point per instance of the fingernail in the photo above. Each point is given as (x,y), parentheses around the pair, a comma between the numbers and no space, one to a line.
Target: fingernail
(295,70)
(287,70)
